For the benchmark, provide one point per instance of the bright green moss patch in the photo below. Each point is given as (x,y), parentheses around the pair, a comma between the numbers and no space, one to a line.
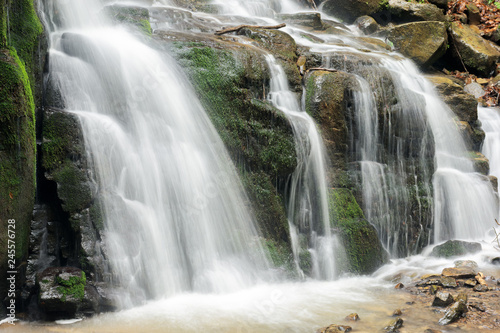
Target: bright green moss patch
(73,286)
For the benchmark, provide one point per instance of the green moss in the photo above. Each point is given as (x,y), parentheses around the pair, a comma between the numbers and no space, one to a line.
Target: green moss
(135,16)
(73,188)
(146,27)
(363,249)
(279,254)
(74,287)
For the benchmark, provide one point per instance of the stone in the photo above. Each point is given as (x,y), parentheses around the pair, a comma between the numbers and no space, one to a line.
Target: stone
(459,273)
(367,24)
(481,162)
(353,317)
(448,282)
(310,20)
(495,261)
(479,55)
(481,288)
(470,282)
(134,16)
(442,299)
(466,263)
(423,42)
(430,330)
(453,248)
(349,10)
(402,11)
(475,89)
(334,328)
(394,325)
(460,102)
(454,312)
(441,3)
(473,14)
(397,313)
(433,289)
(399,286)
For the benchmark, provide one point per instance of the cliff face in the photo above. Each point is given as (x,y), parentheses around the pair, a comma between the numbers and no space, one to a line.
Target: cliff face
(20,71)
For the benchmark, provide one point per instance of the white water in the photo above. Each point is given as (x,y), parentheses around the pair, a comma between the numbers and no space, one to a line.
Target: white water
(308,199)
(174,209)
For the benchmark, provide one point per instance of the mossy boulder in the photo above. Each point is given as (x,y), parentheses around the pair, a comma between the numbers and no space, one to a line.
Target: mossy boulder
(478,54)
(135,16)
(402,11)
(454,248)
(63,291)
(328,96)
(364,251)
(423,42)
(349,10)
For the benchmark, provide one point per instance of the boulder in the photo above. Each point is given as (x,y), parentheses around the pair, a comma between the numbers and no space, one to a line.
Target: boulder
(402,11)
(481,162)
(309,20)
(367,24)
(65,290)
(448,282)
(442,299)
(423,42)
(394,325)
(461,103)
(455,311)
(349,10)
(334,328)
(479,55)
(466,263)
(453,248)
(459,273)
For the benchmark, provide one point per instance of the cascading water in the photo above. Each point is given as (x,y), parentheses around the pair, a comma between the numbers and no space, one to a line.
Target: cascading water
(174,213)
(307,202)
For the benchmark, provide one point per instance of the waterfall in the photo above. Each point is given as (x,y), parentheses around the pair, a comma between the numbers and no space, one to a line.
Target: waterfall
(175,218)
(307,202)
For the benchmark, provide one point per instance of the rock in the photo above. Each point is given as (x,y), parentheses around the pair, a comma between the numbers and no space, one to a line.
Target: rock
(442,299)
(454,312)
(459,273)
(448,282)
(334,328)
(496,261)
(349,10)
(399,286)
(479,55)
(367,24)
(470,283)
(394,325)
(65,290)
(440,3)
(311,20)
(455,248)
(481,163)
(475,89)
(353,317)
(481,288)
(423,42)
(402,11)
(433,289)
(397,313)
(466,263)
(460,102)
(495,36)
(135,16)
(430,330)
(473,14)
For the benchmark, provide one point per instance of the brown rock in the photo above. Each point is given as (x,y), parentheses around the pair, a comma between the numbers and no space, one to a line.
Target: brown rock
(459,272)
(353,317)
(481,288)
(397,313)
(448,282)
(399,286)
(334,329)
(470,282)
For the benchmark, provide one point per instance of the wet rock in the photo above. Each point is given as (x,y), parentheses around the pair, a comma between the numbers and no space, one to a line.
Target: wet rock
(402,11)
(448,282)
(353,317)
(349,10)
(459,273)
(466,263)
(479,306)
(442,299)
(334,328)
(134,16)
(495,261)
(399,286)
(311,20)
(454,312)
(65,290)
(430,330)
(397,313)
(481,288)
(423,42)
(455,248)
(470,283)
(394,325)
(461,103)
(478,54)
(367,24)
(475,89)
(440,3)
(433,289)
(473,14)
(481,163)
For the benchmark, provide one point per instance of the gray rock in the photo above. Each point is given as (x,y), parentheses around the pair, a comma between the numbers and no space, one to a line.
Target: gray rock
(394,325)
(403,11)
(442,299)
(466,263)
(481,288)
(367,24)
(454,312)
(448,282)
(453,248)
(474,89)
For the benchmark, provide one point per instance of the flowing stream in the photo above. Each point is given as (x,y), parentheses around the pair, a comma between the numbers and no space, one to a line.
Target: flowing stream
(194,261)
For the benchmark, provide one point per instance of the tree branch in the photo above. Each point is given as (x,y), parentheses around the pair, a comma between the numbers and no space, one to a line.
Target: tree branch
(239,27)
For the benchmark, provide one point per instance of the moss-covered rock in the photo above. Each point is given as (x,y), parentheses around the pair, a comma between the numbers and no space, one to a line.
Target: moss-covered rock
(349,10)
(423,42)
(134,16)
(478,54)
(363,249)
(402,11)
(481,163)
(454,248)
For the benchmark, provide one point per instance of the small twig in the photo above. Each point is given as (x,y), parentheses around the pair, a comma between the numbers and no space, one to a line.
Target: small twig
(239,27)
